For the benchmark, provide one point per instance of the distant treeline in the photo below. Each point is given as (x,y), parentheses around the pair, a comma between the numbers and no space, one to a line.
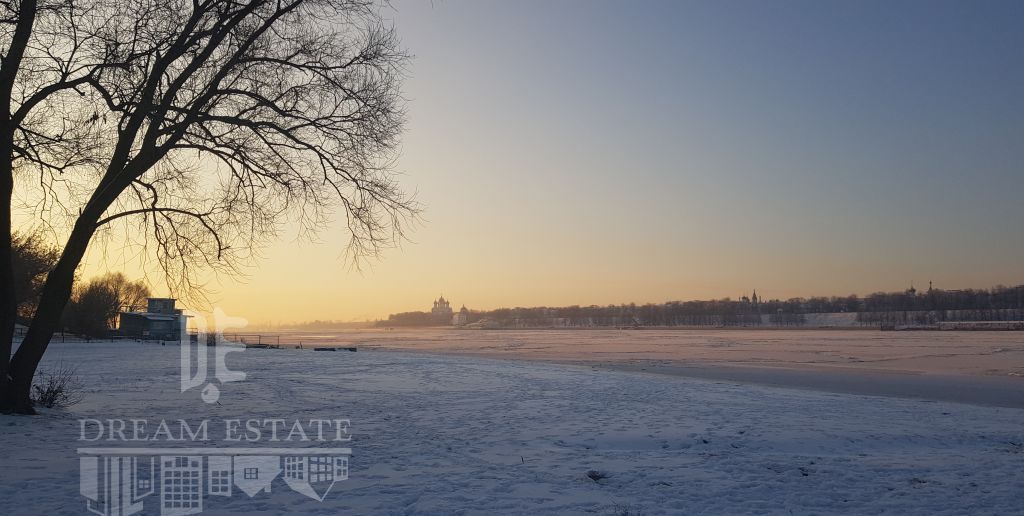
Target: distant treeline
(908,307)
(417,319)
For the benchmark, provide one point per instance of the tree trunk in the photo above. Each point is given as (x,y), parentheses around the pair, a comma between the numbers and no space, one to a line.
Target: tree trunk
(16,396)
(51,305)
(8,303)
(11,64)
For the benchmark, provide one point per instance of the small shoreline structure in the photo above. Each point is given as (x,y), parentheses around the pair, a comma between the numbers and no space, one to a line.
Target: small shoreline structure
(263,341)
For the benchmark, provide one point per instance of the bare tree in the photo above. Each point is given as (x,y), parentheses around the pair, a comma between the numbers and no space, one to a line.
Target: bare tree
(94,306)
(31,260)
(131,295)
(91,310)
(198,126)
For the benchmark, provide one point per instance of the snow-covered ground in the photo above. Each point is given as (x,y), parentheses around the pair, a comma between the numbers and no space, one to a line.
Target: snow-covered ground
(988,353)
(434,434)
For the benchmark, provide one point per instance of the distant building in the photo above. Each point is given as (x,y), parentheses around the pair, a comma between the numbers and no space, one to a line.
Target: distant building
(442,310)
(160,321)
(461,318)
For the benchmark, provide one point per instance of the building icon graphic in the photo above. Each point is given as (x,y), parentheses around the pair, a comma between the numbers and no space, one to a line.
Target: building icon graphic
(218,475)
(115,481)
(181,489)
(115,486)
(314,475)
(255,473)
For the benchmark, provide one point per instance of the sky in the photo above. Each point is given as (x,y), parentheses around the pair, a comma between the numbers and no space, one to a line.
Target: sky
(598,152)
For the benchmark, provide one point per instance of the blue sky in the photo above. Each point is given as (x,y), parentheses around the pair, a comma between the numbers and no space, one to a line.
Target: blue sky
(573,152)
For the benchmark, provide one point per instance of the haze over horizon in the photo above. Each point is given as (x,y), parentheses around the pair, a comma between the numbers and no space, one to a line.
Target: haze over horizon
(578,153)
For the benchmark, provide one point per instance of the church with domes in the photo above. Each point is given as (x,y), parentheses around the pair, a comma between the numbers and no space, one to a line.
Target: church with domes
(442,309)
(442,312)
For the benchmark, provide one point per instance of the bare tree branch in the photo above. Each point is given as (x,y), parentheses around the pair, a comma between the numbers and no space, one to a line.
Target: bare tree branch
(200,127)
